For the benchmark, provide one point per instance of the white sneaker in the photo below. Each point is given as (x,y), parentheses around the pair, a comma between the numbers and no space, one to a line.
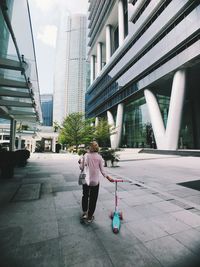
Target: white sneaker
(90,220)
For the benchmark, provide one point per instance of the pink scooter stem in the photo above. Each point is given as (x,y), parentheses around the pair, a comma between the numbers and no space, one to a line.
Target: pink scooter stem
(116,197)
(116,216)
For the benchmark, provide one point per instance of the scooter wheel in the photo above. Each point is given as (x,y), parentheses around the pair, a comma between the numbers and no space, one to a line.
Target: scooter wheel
(121,215)
(111,215)
(115,230)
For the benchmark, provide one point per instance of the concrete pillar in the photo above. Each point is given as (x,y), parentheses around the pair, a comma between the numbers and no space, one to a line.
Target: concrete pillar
(96,121)
(121,21)
(26,142)
(54,144)
(156,118)
(112,124)
(168,140)
(175,109)
(19,142)
(33,145)
(92,69)
(115,138)
(99,57)
(108,43)
(12,134)
(119,122)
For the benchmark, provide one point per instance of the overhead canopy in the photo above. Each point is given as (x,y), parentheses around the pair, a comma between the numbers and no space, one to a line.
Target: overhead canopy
(19,88)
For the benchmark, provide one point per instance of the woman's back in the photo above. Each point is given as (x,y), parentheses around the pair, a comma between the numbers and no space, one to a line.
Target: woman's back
(93,166)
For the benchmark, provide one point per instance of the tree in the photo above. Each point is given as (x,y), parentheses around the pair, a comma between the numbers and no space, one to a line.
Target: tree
(102,132)
(22,127)
(76,130)
(56,126)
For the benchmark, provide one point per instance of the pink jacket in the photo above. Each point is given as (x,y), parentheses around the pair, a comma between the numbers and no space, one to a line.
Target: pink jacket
(93,165)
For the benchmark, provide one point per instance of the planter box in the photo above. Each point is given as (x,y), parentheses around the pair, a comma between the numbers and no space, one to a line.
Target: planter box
(7,164)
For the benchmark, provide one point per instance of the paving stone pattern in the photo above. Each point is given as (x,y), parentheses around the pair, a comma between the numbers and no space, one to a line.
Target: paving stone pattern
(40,209)
(27,192)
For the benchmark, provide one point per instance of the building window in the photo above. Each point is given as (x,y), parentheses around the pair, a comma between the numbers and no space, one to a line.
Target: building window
(125,19)
(142,9)
(137,131)
(115,39)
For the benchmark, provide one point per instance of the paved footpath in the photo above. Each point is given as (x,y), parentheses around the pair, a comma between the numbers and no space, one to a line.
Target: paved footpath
(40,209)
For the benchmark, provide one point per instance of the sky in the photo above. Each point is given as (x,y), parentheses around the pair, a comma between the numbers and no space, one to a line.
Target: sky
(45,17)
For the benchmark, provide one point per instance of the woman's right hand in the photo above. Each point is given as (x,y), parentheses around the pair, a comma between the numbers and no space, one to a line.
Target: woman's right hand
(110,179)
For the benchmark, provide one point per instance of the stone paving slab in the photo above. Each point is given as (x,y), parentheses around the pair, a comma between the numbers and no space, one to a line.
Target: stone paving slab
(172,253)
(38,232)
(46,253)
(27,192)
(80,246)
(170,224)
(160,227)
(190,239)
(167,206)
(187,217)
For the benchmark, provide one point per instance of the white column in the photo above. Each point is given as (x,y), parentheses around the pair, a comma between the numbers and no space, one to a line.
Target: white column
(19,142)
(108,43)
(54,144)
(26,142)
(156,118)
(92,69)
(99,57)
(112,124)
(121,21)
(33,141)
(12,134)
(168,139)
(175,109)
(96,121)
(116,137)
(119,122)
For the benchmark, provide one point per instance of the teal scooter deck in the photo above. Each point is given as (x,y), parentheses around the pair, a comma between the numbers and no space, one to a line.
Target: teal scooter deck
(116,216)
(116,222)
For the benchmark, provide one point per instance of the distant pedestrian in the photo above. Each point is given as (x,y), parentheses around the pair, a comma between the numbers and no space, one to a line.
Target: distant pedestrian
(92,164)
(58,147)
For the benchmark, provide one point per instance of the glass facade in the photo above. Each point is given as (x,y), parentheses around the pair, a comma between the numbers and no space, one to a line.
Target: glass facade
(19,89)
(47,109)
(186,137)
(4,33)
(136,124)
(137,129)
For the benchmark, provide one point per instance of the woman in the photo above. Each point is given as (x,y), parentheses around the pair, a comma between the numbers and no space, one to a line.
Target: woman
(92,164)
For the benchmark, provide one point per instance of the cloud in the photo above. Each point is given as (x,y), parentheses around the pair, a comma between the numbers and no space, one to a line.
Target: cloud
(47,34)
(57,5)
(44,5)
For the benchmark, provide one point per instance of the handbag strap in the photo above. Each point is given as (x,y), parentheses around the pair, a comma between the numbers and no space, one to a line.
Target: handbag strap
(83,164)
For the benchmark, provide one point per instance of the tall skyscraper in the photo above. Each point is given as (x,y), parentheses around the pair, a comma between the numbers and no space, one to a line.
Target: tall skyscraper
(70,70)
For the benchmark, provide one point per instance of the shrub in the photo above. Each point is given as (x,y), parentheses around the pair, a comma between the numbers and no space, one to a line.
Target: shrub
(109,154)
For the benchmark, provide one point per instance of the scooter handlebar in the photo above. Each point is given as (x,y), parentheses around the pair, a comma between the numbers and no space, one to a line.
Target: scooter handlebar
(122,180)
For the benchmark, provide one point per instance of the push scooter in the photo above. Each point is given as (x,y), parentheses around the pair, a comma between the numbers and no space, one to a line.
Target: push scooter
(117,216)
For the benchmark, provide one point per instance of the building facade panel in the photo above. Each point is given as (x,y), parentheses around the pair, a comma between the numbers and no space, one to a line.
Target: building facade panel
(162,38)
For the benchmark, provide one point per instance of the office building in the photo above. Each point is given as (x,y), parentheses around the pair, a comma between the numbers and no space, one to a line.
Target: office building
(47,109)
(70,70)
(145,65)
